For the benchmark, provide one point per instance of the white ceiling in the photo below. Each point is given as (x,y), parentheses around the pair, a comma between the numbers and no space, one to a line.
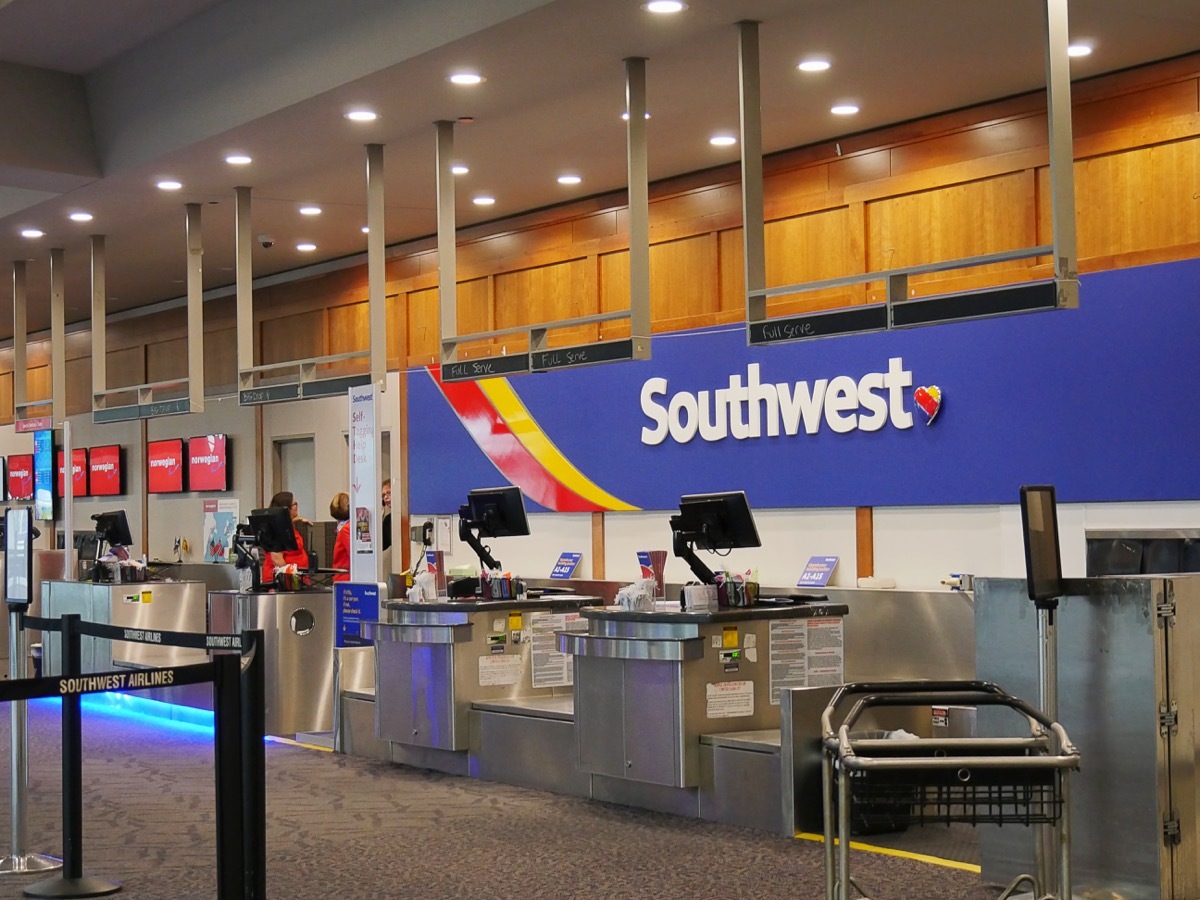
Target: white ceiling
(101,99)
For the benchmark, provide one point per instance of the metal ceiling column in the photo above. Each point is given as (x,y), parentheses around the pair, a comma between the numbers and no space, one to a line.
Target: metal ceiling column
(376,267)
(243,278)
(195,309)
(99,317)
(1062,155)
(20,372)
(639,198)
(753,226)
(58,337)
(446,237)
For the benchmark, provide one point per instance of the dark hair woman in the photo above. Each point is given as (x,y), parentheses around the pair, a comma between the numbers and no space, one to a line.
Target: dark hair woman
(297,557)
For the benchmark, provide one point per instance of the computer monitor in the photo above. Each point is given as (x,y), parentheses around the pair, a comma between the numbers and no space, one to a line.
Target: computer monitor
(273,530)
(113,528)
(714,522)
(1043,559)
(491,512)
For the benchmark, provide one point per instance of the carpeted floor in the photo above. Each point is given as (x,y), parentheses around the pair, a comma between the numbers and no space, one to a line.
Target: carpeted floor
(344,827)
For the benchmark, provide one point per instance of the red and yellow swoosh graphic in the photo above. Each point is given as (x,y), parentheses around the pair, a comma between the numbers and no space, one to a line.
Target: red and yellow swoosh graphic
(511,438)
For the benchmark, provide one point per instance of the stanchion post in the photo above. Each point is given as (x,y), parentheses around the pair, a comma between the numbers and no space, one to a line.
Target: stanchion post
(254,764)
(72,883)
(230,777)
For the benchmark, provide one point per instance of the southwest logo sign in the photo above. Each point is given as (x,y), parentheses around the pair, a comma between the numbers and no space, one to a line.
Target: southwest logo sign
(517,445)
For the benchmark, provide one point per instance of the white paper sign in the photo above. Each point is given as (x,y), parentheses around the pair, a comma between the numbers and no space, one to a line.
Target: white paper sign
(502,669)
(729,699)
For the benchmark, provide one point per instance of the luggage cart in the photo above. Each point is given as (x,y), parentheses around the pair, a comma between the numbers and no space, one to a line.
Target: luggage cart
(1019,780)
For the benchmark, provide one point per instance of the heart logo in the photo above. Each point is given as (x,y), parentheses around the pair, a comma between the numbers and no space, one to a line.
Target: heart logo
(930,401)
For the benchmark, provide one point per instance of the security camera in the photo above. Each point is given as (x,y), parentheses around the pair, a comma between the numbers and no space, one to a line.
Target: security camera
(267,241)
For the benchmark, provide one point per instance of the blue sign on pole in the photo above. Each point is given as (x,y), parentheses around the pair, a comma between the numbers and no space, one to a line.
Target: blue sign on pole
(818,571)
(566,565)
(354,603)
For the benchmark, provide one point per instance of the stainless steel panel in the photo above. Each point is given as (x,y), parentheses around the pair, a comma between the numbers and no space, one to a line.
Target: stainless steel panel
(1182,666)
(298,631)
(623,628)
(355,735)
(1109,691)
(654,747)
(599,714)
(158,606)
(527,750)
(93,603)
(630,648)
(435,716)
(800,755)
(741,786)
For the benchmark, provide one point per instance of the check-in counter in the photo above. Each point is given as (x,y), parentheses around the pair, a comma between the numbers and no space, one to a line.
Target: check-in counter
(434,660)
(299,636)
(144,606)
(648,685)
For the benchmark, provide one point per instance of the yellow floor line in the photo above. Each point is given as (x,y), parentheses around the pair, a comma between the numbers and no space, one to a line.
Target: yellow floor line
(903,854)
(283,740)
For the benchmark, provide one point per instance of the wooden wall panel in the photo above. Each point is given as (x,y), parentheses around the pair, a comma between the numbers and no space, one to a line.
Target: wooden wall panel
(220,359)
(79,385)
(349,328)
(298,336)
(125,367)
(988,139)
(167,360)
(37,383)
(422,310)
(953,222)
(810,248)
(683,279)
(475,314)
(548,293)
(1139,200)
(614,292)
(6,397)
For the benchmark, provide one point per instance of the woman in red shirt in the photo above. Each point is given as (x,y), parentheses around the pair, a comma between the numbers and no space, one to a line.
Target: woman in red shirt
(339,509)
(297,557)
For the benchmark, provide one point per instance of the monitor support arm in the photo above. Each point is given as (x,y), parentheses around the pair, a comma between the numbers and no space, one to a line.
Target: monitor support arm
(466,533)
(682,548)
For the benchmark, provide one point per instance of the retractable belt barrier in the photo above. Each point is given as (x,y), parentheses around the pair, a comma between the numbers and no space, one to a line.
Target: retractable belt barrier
(239,723)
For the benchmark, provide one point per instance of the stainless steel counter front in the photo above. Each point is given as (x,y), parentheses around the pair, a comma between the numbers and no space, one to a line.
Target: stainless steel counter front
(299,634)
(433,660)
(649,684)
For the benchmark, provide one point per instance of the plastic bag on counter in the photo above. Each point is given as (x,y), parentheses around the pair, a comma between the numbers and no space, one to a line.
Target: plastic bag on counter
(637,597)
(424,589)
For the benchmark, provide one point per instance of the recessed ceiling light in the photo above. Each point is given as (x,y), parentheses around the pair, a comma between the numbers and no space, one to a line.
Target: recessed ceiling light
(467,78)
(366,230)
(362,115)
(569,179)
(625,116)
(32,233)
(238,159)
(306,248)
(80,216)
(483,200)
(664,7)
(459,169)
(1078,50)
(722,140)
(310,210)
(844,109)
(168,184)
(813,65)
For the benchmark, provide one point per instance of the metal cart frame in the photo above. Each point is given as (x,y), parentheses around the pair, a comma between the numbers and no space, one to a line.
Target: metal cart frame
(1018,780)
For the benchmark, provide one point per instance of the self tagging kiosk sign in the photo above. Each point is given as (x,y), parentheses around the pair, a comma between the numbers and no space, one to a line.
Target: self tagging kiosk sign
(353,604)
(818,571)
(566,565)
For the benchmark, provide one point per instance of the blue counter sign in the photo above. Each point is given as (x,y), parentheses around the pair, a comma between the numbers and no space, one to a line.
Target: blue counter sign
(818,571)
(353,604)
(566,565)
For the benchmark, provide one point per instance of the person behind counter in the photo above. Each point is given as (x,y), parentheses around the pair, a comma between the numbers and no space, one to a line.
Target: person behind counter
(385,523)
(297,557)
(339,509)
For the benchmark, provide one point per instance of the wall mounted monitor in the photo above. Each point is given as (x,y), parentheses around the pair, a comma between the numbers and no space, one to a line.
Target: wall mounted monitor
(20,476)
(164,466)
(113,528)
(79,473)
(208,463)
(106,471)
(43,475)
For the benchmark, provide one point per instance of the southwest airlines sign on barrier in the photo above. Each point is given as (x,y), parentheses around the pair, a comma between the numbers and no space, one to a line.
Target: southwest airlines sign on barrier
(1101,401)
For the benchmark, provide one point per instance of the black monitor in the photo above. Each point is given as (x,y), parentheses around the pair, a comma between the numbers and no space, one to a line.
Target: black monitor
(113,529)
(491,512)
(714,522)
(273,529)
(1043,559)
